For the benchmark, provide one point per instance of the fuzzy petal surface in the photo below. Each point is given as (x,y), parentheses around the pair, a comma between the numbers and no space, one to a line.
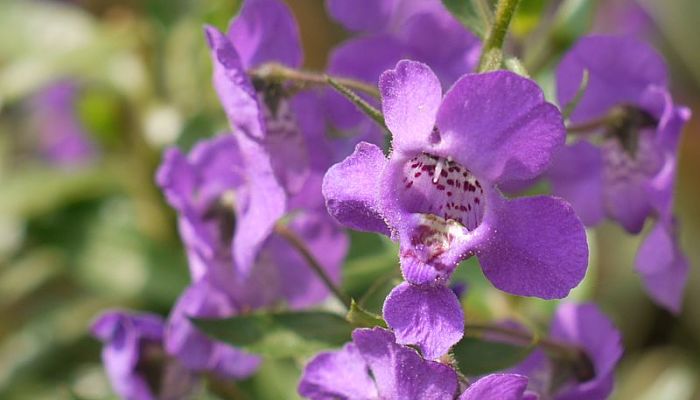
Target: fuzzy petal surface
(499,125)
(496,387)
(536,247)
(411,96)
(351,189)
(430,317)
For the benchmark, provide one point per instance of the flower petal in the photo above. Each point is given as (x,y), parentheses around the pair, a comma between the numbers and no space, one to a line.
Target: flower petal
(430,317)
(499,125)
(584,325)
(576,175)
(337,374)
(620,69)
(362,15)
(400,372)
(411,95)
(537,247)
(351,189)
(496,387)
(663,267)
(265,31)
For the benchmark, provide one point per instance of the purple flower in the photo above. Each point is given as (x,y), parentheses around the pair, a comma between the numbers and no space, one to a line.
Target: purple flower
(209,192)
(585,327)
(625,168)
(399,29)
(374,366)
(271,125)
(134,359)
(61,138)
(437,194)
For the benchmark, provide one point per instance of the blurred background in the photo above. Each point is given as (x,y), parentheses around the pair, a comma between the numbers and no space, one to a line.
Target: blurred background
(91,91)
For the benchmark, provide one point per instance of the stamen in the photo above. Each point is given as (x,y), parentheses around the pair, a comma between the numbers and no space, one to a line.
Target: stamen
(438,169)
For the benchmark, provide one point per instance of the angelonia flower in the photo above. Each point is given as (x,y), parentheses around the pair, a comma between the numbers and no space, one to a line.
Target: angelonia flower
(230,192)
(133,356)
(390,31)
(581,326)
(61,139)
(623,164)
(373,366)
(437,195)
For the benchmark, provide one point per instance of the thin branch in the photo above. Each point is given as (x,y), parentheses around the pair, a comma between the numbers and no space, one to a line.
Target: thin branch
(292,238)
(491,54)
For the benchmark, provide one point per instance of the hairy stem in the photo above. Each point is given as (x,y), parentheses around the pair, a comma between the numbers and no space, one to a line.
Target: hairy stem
(491,54)
(279,73)
(293,239)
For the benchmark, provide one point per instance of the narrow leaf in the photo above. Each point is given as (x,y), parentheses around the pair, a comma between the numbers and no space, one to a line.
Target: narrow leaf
(362,318)
(478,356)
(570,107)
(279,335)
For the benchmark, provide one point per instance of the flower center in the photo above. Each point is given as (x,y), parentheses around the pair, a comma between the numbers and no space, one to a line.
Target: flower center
(444,188)
(622,166)
(626,124)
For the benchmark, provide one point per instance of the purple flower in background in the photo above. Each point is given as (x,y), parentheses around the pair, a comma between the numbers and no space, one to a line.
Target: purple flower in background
(265,121)
(397,30)
(624,167)
(208,189)
(622,17)
(61,138)
(134,359)
(583,326)
(374,366)
(437,195)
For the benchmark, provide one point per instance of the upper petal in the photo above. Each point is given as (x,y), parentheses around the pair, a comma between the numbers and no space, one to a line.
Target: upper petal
(496,387)
(265,31)
(536,247)
(411,95)
(499,125)
(351,189)
(362,15)
(338,374)
(430,317)
(400,372)
(620,69)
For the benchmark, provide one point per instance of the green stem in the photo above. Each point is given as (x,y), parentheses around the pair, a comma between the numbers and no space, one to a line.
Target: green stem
(293,239)
(491,54)
(280,73)
(364,106)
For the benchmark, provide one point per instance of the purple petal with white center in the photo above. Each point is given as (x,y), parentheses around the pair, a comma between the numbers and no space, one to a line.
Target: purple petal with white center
(341,374)
(504,137)
(411,96)
(613,78)
(430,317)
(576,175)
(496,387)
(265,31)
(362,15)
(536,246)
(584,325)
(351,189)
(399,372)
(663,266)
(265,202)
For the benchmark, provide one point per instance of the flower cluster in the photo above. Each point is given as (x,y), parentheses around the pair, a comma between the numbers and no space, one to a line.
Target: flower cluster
(260,208)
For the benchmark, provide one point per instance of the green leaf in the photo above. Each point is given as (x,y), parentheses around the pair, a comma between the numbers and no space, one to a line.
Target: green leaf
(478,356)
(282,334)
(570,107)
(474,14)
(362,318)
